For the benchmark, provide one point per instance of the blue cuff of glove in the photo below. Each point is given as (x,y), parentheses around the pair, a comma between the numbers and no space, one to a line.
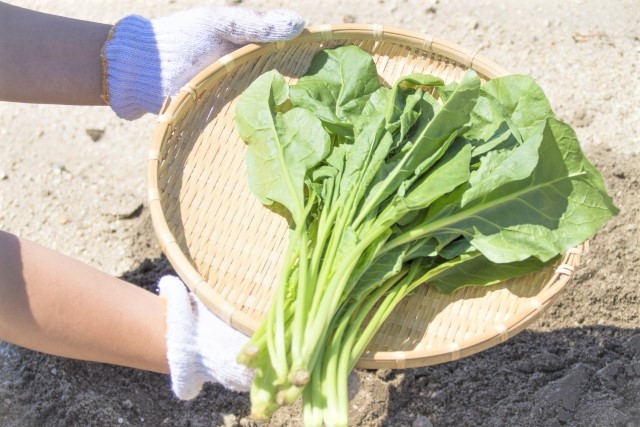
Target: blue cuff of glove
(132,82)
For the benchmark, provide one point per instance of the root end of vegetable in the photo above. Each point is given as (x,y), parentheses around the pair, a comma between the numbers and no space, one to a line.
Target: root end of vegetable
(249,356)
(261,413)
(300,377)
(288,395)
(251,351)
(259,417)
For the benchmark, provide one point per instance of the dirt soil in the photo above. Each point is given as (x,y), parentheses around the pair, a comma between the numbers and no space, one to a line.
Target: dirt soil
(73,179)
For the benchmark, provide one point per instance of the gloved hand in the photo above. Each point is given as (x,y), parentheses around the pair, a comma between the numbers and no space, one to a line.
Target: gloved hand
(144,61)
(200,346)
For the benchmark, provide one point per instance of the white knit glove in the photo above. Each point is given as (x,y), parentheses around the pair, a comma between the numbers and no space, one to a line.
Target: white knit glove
(200,346)
(144,61)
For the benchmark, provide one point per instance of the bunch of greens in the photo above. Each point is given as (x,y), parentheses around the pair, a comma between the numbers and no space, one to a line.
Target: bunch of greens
(389,188)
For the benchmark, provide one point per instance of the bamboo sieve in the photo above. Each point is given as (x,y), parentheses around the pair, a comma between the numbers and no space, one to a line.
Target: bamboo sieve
(226,246)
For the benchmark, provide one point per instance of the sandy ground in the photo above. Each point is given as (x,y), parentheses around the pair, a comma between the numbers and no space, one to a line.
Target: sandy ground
(579,365)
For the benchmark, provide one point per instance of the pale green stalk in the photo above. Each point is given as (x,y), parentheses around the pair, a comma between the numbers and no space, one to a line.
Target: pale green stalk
(300,314)
(319,324)
(350,323)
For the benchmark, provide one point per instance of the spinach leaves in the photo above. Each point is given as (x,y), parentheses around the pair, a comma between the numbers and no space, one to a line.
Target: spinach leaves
(392,188)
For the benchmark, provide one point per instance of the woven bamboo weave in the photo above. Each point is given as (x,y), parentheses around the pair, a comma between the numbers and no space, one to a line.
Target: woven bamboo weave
(226,246)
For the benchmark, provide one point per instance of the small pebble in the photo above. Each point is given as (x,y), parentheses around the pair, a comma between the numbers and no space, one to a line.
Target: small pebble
(127,404)
(348,19)
(422,421)
(229,420)
(95,134)
(130,211)
(59,169)
(385,374)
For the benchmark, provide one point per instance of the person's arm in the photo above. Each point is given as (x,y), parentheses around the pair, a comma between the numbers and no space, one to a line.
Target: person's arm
(134,65)
(57,305)
(50,59)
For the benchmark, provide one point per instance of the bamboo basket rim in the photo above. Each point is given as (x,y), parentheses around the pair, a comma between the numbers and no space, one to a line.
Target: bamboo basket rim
(174,109)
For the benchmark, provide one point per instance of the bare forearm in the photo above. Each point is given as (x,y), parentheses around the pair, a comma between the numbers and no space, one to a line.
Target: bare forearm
(57,305)
(50,59)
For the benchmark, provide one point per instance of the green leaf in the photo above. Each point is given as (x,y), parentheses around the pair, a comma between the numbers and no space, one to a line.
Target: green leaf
(371,270)
(429,143)
(281,147)
(376,106)
(416,80)
(455,248)
(422,248)
(534,200)
(510,109)
(404,96)
(337,86)
(473,269)
(449,172)
(365,157)
(445,92)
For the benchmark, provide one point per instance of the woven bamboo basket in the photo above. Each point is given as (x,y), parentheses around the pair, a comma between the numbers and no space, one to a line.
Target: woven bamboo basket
(227,247)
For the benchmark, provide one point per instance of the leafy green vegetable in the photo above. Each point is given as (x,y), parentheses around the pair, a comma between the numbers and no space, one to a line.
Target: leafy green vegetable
(422,183)
(282,146)
(337,86)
